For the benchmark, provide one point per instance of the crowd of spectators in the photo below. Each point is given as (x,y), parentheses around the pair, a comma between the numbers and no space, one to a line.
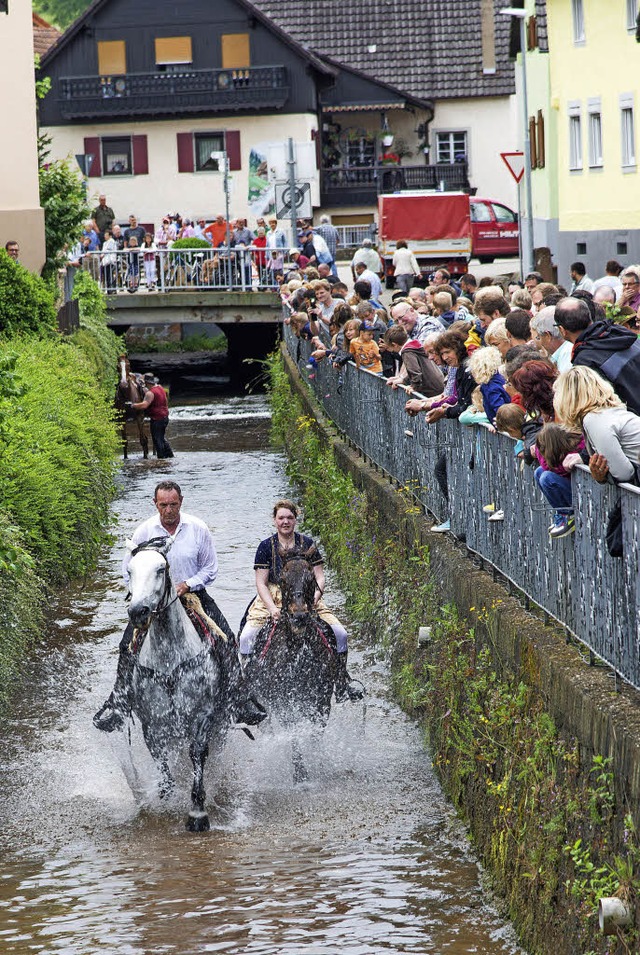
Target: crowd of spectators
(119,256)
(557,370)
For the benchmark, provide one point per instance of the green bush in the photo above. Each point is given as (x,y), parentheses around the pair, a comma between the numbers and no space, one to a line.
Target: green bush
(191,244)
(26,304)
(94,339)
(57,457)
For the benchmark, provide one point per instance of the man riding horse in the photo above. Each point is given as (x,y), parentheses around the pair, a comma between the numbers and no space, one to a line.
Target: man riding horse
(193,563)
(268,603)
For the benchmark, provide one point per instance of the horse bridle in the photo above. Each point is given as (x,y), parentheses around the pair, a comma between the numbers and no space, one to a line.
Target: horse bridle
(154,544)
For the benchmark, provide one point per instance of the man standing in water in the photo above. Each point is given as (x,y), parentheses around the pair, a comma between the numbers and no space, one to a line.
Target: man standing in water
(155,402)
(193,563)
(267,605)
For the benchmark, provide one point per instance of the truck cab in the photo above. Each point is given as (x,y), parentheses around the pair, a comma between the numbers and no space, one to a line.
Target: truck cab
(494,230)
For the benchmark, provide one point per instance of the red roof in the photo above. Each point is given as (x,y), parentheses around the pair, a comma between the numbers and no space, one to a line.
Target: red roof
(44,35)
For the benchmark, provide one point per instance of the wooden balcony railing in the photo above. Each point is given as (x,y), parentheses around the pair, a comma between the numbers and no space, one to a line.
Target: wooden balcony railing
(185,91)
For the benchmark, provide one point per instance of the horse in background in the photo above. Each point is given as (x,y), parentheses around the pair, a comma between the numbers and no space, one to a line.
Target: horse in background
(130,389)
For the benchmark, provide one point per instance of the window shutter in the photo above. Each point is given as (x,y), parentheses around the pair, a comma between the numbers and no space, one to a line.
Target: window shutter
(541,156)
(533,152)
(92,145)
(532,33)
(232,146)
(140,155)
(185,152)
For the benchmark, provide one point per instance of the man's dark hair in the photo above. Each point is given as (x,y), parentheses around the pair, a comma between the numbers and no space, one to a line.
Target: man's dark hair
(339,290)
(533,275)
(10,242)
(578,267)
(468,279)
(361,265)
(573,314)
(552,298)
(446,274)
(167,486)
(583,296)
(363,289)
(613,267)
(517,323)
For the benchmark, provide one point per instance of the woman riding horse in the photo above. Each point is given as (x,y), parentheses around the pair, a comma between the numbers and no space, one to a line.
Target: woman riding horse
(268,603)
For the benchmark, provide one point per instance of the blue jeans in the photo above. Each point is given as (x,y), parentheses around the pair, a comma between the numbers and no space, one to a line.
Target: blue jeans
(556,489)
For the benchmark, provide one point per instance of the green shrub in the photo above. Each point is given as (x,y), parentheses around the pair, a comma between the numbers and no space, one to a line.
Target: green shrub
(191,244)
(94,339)
(26,304)
(21,593)
(57,457)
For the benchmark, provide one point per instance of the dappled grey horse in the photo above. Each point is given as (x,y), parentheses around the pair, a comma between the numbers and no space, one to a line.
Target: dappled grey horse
(178,688)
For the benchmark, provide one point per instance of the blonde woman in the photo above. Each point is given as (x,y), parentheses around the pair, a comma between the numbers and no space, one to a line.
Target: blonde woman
(585,401)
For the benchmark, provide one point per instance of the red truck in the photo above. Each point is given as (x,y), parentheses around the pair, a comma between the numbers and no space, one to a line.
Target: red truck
(445,228)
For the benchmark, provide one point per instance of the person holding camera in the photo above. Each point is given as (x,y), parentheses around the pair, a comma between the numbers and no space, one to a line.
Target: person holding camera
(320,309)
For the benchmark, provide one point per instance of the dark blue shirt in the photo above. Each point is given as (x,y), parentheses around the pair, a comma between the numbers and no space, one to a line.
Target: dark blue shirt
(267,556)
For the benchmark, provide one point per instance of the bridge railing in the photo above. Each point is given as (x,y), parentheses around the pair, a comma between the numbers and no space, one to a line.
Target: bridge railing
(573,579)
(165,270)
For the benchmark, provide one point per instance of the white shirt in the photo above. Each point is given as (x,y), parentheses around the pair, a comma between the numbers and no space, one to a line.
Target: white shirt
(192,556)
(561,357)
(374,282)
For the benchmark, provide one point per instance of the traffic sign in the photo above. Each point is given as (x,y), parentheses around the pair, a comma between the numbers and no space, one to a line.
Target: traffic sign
(302,200)
(514,163)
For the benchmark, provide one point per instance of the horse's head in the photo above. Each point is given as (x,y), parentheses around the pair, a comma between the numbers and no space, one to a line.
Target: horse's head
(297,582)
(149,581)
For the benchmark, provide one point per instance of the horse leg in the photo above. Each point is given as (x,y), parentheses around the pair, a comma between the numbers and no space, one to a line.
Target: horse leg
(159,756)
(144,441)
(300,771)
(123,438)
(198,820)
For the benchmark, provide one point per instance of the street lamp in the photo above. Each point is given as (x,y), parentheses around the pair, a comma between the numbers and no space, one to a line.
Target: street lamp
(221,157)
(520,15)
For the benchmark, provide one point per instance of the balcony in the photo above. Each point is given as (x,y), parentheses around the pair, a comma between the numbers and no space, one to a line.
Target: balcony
(186,91)
(361,185)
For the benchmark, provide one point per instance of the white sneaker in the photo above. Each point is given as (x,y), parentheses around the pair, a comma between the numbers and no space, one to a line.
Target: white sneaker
(498,516)
(441,528)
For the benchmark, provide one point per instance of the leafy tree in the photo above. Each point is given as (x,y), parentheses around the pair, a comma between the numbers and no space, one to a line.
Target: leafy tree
(60,13)
(26,304)
(62,196)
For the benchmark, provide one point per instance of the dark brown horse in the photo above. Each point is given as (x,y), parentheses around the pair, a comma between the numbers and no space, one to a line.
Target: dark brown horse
(129,390)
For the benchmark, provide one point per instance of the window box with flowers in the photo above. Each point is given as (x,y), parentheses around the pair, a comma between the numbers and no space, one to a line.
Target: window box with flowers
(389,159)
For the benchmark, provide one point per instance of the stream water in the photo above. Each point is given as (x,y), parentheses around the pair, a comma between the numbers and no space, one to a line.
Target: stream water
(366,858)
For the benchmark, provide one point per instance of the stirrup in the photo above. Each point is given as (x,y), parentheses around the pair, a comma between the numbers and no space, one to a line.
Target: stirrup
(114,720)
(351,692)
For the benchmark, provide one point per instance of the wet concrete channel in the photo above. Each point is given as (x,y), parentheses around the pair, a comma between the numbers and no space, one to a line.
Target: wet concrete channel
(366,858)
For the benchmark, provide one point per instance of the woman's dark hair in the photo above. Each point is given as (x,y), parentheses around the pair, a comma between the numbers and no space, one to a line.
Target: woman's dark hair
(534,380)
(341,314)
(555,442)
(452,341)
(401,244)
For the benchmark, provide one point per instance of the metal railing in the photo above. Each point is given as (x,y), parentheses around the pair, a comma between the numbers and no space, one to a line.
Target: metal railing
(166,270)
(174,91)
(351,236)
(573,579)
